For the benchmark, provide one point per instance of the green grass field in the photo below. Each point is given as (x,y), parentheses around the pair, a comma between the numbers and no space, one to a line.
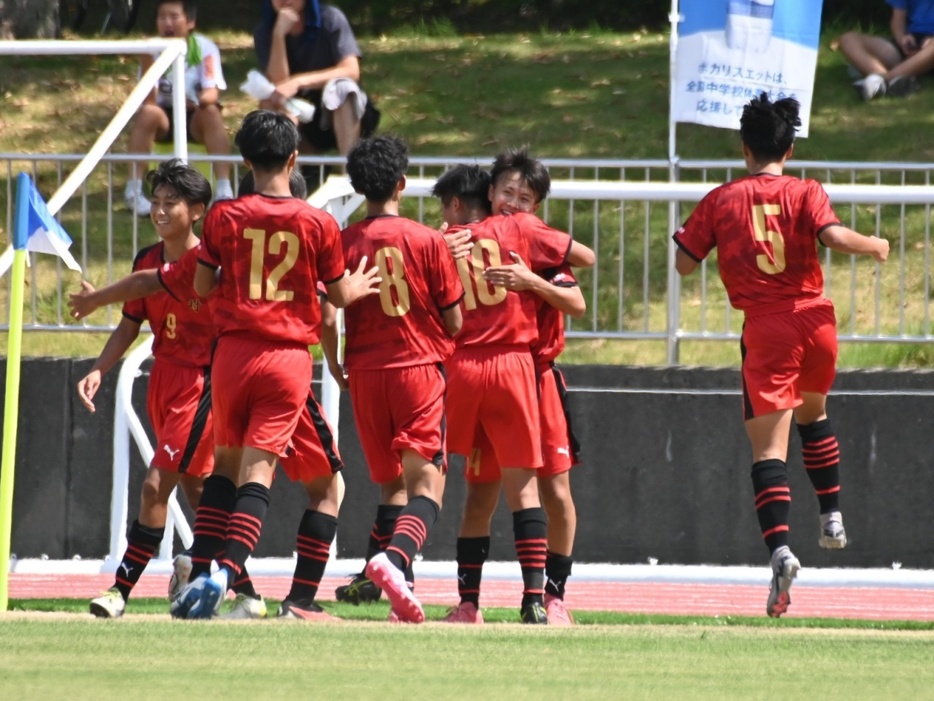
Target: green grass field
(50,651)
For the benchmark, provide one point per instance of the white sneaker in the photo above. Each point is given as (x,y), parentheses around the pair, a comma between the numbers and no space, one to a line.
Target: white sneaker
(832,535)
(873,85)
(246,607)
(223,190)
(785,568)
(110,604)
(136,202)
(181,572)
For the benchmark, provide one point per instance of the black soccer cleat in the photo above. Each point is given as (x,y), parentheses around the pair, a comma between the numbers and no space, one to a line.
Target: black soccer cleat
(360,590)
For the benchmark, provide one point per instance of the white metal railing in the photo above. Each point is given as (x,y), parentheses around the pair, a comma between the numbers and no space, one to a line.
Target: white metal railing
(625,210)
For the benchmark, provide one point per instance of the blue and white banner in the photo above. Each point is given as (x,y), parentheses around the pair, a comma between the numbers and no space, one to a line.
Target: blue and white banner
(729,51)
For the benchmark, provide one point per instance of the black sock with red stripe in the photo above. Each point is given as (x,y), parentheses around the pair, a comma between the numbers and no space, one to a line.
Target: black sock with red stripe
(530,528)
(411,530)
(315,534)
(245,527)
(217,501)
(471,554)
(386,515)
(141,544)
(773,501)
(821,454)
(557,571)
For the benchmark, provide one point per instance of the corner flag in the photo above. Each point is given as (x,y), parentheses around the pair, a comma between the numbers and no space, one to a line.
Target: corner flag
(34,229)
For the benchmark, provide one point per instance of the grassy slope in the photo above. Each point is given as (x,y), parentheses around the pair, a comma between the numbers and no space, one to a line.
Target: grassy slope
(595,94)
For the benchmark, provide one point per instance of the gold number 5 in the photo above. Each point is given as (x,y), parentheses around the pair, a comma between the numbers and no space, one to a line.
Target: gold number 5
(759,213)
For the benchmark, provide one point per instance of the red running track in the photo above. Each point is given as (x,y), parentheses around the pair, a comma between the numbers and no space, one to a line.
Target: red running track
(867,603)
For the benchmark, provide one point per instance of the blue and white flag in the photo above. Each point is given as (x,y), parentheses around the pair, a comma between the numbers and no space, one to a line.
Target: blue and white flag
(730,51)
(36,229)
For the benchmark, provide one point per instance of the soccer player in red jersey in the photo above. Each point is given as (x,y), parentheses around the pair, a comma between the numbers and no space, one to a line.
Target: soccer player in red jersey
(262,255)
(492,385)
(179,396)
(396,343)
(519,184)
(766,227)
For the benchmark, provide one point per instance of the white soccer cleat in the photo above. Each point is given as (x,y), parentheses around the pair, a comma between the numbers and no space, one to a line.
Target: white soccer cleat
(832,534)
(246,608)
(785,568)
(136,202)
(110,604)
(872,86)
(181,567)
(224,191)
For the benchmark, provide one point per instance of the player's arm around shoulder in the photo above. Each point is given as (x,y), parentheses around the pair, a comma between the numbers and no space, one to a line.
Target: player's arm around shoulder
(844,240)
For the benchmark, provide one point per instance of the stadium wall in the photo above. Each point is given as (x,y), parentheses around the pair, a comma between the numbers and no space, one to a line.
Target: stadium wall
(665,473)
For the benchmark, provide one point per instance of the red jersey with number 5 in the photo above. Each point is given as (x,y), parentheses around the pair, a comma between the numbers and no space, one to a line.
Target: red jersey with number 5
(271,251)
(402,326)
(182,324)
(492,315)
(765,229)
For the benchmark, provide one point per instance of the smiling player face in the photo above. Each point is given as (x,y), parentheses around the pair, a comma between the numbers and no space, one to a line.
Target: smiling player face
(172,217)
(510,194)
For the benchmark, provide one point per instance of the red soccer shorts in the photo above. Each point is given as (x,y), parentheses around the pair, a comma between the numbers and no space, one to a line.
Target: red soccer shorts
(785,354)
(558,451)
(260,388)
(399,409)
(179,406)
(312,451)
(494,390)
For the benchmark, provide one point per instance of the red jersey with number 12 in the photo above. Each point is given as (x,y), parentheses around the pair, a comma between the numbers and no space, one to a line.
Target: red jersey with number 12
(182,324)
(765,229)
(402,326)
(272,251)
(492,315)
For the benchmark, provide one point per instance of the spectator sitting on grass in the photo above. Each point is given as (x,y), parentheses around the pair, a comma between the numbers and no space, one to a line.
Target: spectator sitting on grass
(204,80)
(891,66)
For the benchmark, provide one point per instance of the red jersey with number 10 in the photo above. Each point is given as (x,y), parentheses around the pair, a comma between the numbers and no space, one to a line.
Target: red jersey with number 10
(492,315)
(272,251)
(402,326)
(182,324)
(765,230)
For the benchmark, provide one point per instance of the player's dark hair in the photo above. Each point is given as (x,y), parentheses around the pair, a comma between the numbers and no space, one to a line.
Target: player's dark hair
(188,6)
(768,128)
(532,170)
(469,183)
(375,166)
(297,185)
(267,139)
(186,180)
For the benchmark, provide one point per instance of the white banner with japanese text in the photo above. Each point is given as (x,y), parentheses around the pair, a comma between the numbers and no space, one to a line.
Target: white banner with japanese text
(729,51)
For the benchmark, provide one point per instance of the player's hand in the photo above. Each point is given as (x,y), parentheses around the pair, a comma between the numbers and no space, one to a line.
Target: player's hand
(513,277)
(285,21)
(82,303)
(458,243)
(908,44)
(88,387)
(337,372)
(284,90)
(364,282)
(881,254)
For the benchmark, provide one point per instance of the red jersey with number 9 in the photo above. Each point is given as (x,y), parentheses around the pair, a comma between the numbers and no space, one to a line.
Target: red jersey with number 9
(402,326)
(765,229)
(271,251)
(492,315)
(181,323)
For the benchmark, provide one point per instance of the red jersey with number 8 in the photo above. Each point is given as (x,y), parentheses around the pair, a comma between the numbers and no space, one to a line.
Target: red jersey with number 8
(271,251)
(402,326)
(765,229)
(493,316)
